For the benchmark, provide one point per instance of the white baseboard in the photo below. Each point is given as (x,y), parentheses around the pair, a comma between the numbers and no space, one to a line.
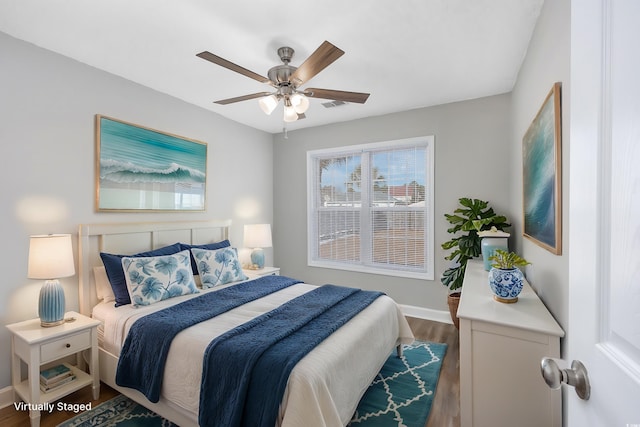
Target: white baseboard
(426,313)
(6,397)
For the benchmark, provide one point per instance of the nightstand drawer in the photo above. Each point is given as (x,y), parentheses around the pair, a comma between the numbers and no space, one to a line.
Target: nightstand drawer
(65,346)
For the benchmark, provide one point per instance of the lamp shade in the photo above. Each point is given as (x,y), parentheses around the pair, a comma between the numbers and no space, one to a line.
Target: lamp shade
(300,103)
(290,114)
(257,236)
(50,256)
(268,104)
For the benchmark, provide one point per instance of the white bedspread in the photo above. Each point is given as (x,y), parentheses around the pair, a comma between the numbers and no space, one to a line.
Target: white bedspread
(325,386)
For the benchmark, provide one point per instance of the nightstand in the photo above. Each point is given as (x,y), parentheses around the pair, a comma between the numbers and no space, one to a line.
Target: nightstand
(266,271)
(37,346)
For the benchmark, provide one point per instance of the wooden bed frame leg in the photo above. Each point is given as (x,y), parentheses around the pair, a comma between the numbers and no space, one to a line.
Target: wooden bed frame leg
(399,350)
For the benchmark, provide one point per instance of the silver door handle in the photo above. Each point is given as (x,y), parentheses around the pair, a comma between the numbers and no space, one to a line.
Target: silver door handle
(576,376)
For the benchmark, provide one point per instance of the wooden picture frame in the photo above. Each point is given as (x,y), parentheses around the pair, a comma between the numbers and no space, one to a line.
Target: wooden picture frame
(139,169)
(542,175)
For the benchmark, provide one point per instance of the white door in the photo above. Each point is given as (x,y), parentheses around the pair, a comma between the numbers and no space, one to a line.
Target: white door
(604,226)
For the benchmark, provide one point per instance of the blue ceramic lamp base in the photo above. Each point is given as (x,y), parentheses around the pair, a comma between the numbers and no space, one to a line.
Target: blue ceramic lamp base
(51,304)
(257,257)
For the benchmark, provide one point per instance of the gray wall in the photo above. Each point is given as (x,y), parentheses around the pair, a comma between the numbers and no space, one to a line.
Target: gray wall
(47,108)
(471,157)
(547,62)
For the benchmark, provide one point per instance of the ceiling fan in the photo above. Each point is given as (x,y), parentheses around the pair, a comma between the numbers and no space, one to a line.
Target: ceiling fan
(287,79)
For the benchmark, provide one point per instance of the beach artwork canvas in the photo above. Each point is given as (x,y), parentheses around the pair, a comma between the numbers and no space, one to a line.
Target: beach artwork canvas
(141,169)
(542,200)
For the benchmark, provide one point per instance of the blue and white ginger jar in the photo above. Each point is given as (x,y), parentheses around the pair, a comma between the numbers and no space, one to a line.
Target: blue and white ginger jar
(506,284)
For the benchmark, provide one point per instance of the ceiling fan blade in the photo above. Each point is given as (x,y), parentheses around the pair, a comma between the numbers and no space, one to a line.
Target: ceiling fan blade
(337,95)
(318,61)
(242,98)
(231,66)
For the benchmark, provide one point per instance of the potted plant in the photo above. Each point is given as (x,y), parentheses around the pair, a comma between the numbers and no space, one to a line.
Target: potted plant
(505,276)
(471,217)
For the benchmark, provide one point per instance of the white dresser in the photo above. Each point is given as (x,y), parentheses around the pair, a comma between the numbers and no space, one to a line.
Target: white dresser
(501,346)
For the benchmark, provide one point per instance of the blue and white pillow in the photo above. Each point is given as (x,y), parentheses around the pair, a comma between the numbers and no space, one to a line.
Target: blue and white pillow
(153,279)
(218,267)
(113,266)
(216,245)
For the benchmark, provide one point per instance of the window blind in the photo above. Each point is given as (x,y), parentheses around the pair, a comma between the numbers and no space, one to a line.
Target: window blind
(370,207)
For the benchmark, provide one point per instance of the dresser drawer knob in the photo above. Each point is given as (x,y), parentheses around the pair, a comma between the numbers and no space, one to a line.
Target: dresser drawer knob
(68,345)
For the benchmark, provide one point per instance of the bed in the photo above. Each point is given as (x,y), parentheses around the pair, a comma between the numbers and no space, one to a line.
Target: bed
(323,388)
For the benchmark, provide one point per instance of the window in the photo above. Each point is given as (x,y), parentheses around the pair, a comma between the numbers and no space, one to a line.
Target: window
(370,208)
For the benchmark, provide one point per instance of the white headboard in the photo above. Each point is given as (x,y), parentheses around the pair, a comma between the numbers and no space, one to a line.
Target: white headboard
(130,238)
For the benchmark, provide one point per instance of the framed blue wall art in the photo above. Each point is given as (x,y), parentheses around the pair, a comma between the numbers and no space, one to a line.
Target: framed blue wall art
(141,169)
(542,175)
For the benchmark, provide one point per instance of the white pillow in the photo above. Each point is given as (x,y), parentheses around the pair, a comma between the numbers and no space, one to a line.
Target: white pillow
(103,287)
(218,267)
(153,279)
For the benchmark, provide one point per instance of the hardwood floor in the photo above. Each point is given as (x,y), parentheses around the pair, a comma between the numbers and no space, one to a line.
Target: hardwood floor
(9,417)
(445,411)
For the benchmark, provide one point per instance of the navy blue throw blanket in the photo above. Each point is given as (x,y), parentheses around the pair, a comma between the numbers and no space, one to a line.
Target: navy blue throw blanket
(245,370)
(144,354)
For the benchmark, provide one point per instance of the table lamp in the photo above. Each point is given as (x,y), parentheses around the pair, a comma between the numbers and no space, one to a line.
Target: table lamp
(257,236)
(51,258)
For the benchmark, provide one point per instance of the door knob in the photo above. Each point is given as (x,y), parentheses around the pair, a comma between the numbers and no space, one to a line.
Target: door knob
(576,376)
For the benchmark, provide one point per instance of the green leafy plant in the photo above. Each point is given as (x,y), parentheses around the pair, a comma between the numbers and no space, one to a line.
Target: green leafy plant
(473,216)
(507,260)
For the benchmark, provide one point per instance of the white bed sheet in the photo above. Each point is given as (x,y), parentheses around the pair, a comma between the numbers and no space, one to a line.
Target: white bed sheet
(325,386)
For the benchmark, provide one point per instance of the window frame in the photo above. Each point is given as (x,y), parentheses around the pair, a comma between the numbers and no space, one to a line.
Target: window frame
(423,141)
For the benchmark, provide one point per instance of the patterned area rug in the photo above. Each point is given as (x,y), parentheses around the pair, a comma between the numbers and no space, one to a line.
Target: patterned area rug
(119,411)
(402,393)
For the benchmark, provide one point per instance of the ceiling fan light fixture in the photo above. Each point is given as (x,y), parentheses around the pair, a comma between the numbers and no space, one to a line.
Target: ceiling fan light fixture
(290,114)
(268,104)
(286,79)
(300,103)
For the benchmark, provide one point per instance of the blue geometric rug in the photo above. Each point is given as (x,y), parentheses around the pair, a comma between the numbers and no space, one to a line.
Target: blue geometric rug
(402,392)
(400,395)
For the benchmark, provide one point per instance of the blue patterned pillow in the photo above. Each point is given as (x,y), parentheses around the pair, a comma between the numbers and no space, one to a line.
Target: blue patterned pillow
(153,279)
(218,267)
(113,266)
(216,245)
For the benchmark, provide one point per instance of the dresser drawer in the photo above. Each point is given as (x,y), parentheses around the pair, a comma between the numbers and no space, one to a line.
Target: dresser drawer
(65,346)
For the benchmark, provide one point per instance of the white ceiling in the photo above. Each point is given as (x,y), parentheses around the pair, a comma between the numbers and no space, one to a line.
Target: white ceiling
(406,54)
